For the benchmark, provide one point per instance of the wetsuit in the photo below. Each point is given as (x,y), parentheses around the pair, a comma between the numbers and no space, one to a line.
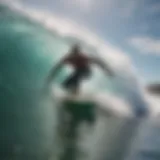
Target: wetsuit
(82,70)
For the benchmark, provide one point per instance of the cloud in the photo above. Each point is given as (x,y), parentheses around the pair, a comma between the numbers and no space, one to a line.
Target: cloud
(85,5)
(154,8)
(128,9)
(146,45)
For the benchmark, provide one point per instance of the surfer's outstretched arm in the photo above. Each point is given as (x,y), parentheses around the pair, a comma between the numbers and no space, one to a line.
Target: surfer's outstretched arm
(54,70)
(103,65)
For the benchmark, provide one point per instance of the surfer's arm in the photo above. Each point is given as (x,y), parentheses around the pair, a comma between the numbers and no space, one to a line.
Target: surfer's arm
(53,72)
(55,69)
(103,65)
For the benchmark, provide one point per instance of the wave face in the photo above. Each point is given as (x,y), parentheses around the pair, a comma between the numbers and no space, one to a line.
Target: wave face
(29,121)
(28,48)
(27,125)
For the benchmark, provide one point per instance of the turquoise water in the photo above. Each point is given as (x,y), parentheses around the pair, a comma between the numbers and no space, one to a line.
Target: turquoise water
(26,124)
(29,120)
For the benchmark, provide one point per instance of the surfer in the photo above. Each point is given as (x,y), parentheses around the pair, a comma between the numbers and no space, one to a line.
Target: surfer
(81,64)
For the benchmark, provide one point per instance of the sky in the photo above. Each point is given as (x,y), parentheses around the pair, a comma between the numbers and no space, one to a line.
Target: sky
(129,26)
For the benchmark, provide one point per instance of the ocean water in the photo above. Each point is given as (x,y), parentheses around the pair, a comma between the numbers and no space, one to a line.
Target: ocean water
(30,121)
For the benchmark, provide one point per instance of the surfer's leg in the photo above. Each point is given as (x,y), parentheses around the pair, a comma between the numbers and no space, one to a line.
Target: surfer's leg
(79,76)
(73,81)
(70,81)
(66,84)
(76,81)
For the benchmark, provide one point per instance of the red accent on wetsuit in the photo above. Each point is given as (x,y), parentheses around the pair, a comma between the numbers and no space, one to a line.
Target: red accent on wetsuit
(78,61)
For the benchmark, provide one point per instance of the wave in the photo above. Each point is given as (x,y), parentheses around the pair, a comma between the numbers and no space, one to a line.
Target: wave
(29,122)
(40,48)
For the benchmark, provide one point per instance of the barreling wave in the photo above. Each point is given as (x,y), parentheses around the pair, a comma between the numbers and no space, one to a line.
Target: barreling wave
(28,51)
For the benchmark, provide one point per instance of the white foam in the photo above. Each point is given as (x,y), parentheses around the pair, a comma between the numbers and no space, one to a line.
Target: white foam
(107,103)
(154,104)
(60,94)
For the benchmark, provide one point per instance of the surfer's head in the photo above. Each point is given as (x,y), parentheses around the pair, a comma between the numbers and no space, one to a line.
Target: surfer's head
(75,49)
